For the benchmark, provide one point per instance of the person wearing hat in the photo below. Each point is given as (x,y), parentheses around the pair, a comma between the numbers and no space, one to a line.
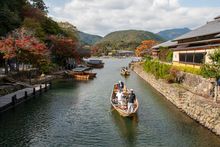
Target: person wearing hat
(120,85)
(131,100)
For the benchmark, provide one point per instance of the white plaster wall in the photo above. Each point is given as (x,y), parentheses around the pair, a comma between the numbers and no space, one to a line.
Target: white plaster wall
(208,51)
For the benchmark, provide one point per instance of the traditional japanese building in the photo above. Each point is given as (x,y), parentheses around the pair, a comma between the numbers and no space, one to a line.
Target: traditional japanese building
(168,45)
(194,47)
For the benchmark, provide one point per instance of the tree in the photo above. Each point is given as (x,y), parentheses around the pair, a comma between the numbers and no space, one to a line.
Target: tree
(23,46)
(39,4)
(145,45)
(9,20)
(11,15)
(212,69)
(165,54)
(95,50)
(35,26)
(63,48)
(51,27)
(7,48)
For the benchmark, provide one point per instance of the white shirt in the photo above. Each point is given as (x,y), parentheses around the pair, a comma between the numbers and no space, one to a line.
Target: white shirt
(119,95)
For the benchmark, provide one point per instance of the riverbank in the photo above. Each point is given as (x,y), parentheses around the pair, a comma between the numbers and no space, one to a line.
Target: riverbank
(16,96)
(195,105)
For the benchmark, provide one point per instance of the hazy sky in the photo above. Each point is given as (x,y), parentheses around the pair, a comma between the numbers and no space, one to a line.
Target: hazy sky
(103,16)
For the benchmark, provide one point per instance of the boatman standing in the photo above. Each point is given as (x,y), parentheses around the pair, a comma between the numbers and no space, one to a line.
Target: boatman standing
(131,100)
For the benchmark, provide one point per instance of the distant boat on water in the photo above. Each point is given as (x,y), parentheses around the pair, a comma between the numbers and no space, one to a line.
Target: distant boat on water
(125,71)
(94,63)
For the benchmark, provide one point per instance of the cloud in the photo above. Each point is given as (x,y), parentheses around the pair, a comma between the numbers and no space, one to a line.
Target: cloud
(104,16)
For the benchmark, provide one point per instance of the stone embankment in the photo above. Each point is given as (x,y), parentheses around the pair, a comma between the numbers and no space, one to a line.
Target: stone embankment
(192,97)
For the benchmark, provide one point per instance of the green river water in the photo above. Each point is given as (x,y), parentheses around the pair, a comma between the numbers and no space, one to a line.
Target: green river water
(79,114)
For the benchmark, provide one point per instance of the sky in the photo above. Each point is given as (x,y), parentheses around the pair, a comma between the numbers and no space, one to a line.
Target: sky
(101,17)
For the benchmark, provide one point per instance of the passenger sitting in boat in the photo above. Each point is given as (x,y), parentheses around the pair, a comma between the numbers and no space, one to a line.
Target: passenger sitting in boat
(131,100)
(120,85)
(120,97)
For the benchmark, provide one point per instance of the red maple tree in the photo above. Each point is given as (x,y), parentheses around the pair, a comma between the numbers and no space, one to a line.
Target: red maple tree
(63,48)
(23,46)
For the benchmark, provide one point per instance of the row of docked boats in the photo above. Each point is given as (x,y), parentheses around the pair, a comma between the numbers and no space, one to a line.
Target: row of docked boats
(122,109)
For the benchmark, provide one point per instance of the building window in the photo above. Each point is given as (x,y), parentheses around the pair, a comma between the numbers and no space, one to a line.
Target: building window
(182,57)
(196,58)
(189,58)
(199,58)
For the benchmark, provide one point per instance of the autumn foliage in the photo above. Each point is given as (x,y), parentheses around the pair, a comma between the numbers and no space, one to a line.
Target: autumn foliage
(145,45)
(7,48)
(63,48)
(24,46)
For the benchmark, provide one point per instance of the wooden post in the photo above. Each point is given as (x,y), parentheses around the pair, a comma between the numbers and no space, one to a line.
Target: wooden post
(6,66)
(40,88)
(14,99)
(34,91)
(50,84)
(25,95)
(45,87)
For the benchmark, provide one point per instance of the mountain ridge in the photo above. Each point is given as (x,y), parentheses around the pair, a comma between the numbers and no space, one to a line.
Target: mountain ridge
(170,34)
(88,39)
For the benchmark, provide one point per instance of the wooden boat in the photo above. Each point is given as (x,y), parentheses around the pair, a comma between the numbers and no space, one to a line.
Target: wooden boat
(92,75)
(94,63)
(82,73)
(81,77)
(122,109)
(125,71)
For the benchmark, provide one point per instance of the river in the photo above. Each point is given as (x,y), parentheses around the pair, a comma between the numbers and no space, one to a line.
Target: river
(79,114)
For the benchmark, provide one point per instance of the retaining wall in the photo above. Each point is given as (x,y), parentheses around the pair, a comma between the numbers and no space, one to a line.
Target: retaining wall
(192,97)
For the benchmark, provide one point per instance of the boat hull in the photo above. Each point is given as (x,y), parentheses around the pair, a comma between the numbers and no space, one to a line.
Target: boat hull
(95,65)
(125,73)
(83,75)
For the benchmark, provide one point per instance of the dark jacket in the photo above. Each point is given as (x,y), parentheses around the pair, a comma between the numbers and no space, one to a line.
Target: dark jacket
(131,98)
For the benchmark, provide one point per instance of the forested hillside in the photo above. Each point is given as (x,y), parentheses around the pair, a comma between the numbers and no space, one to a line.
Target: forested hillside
(124,40)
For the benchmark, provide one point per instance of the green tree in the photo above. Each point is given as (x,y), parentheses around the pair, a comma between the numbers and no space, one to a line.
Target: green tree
(35,26)
(51,27)
(39,4)
(10,15)
(212,69)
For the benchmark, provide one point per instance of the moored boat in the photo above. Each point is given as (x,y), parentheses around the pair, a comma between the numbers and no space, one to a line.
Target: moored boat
(94,63)
(82,73)
(122,109)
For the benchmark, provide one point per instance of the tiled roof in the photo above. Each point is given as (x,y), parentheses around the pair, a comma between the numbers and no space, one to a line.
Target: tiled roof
(165,44)
(212,27)
(217,36)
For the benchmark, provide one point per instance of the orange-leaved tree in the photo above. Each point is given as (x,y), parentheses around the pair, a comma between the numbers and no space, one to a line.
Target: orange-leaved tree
(145,45)
(23,46)
(7,48)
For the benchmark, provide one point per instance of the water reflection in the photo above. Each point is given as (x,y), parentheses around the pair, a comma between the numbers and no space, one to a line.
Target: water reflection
(126,126)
